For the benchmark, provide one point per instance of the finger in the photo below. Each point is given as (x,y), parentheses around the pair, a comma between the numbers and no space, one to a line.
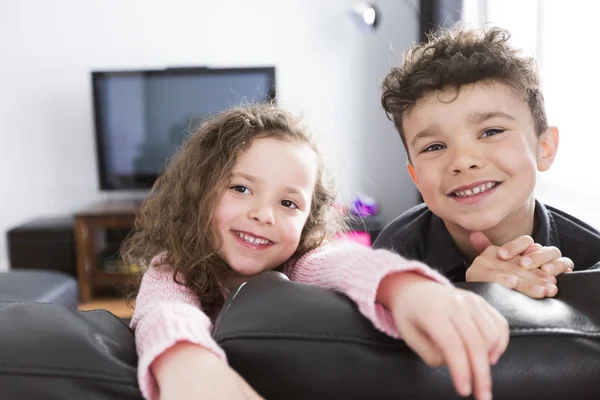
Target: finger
(502,327)
(540,257)
(477,353)
(515,247)
(527,282)
(558,266)
(481,313)
(530,284)
(493,273)
(545,276)
(421,344)
(532,248)
(509,281)
(445,336)
(551,290)
(479,241)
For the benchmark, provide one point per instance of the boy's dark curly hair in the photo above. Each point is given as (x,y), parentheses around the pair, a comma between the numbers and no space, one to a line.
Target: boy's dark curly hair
(456,57)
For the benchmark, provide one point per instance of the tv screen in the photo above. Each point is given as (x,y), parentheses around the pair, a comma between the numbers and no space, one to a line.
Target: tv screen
(142,117)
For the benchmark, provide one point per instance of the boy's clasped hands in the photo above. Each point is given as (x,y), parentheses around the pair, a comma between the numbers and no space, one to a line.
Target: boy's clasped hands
(521,265)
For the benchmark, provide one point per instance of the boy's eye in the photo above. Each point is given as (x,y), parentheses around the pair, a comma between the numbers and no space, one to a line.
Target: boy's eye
(433,147)
(491,132)
(241,189)
(289,204)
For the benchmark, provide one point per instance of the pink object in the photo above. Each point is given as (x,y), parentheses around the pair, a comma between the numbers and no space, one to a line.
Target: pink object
(167,313)
(363,238)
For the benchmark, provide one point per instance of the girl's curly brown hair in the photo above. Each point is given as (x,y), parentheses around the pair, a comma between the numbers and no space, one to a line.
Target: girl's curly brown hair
(456,57)
(177,218)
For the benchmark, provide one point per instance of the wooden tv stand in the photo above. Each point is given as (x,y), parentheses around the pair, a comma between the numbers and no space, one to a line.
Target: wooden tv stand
(117,214)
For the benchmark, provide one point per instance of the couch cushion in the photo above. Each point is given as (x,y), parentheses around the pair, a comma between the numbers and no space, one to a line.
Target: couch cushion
(40,286)
(55,353)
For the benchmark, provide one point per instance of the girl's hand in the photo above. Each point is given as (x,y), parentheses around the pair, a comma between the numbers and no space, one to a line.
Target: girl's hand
(445,325)
(188,371)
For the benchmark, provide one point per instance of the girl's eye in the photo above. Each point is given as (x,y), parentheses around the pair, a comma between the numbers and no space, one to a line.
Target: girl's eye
(289,204)
(491,132)
(433,147)
(241,189)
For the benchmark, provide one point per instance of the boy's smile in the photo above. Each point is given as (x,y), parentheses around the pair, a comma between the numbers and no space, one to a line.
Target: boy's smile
(472,193)
(474,157)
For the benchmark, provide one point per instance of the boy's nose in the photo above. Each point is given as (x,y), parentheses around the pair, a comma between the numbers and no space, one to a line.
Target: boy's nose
(463,161)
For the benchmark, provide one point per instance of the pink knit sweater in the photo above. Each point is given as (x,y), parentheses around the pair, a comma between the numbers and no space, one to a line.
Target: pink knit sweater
(167,313)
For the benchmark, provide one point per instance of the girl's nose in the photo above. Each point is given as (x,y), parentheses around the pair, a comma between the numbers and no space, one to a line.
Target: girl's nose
(262,214)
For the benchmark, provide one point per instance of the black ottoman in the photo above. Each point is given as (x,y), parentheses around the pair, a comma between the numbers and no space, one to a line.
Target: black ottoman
(38,286)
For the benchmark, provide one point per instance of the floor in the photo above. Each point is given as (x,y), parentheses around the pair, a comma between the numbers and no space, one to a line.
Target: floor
(117,306)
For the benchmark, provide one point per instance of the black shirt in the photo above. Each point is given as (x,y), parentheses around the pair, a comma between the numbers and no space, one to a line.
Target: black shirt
(418,234)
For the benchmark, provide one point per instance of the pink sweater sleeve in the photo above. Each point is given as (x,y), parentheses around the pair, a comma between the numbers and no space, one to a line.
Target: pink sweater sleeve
(356,271)
(166,313)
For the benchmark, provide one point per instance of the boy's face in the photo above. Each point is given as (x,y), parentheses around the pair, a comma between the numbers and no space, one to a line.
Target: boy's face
(475,156)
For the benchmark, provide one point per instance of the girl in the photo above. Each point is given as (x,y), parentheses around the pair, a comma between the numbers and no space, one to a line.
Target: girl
(247,193)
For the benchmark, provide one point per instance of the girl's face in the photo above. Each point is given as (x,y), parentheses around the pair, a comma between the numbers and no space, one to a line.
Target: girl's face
(262,212)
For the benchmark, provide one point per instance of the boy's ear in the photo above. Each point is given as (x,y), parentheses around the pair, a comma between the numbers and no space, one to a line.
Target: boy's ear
(412,173)
(547,147)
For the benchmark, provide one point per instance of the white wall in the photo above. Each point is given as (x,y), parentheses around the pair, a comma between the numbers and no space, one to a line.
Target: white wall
(326,68)
(569,70)
(382,172)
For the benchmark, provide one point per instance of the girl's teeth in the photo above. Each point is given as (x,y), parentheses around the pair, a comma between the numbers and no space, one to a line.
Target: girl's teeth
(252,239)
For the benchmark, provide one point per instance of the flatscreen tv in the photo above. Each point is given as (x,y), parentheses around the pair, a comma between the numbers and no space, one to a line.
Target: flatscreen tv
(142,117)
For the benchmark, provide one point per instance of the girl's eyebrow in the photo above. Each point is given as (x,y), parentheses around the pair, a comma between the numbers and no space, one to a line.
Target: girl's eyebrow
(245,176)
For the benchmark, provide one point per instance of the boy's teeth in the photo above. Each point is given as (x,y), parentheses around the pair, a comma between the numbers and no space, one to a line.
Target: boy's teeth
(476,190)
(251,239)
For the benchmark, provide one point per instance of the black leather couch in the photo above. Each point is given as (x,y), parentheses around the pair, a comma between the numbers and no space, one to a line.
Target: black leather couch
(293,341)
(37,285)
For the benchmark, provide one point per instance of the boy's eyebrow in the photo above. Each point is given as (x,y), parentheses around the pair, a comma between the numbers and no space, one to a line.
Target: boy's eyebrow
(476,118)
(254,179)
(427,132)
(484,116)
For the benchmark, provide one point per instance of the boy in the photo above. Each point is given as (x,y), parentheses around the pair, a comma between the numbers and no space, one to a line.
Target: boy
(471,116)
